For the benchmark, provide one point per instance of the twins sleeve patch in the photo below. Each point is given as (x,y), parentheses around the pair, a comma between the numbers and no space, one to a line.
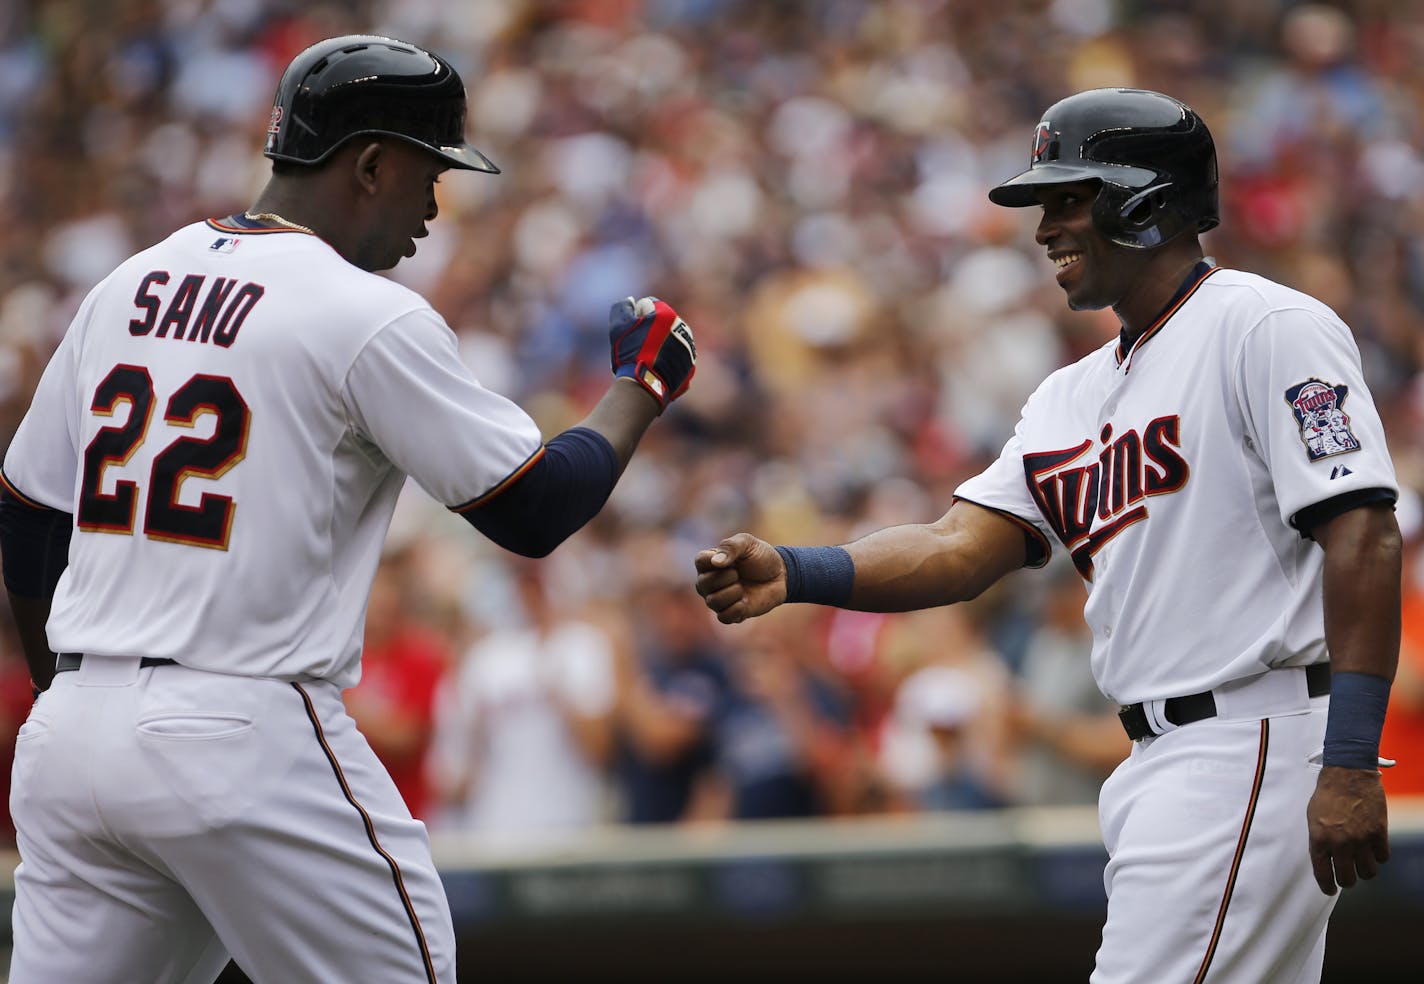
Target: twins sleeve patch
(1319,409)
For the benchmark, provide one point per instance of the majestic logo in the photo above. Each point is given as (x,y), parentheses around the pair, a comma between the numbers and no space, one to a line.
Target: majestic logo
(1045,144)
(1089,502)
(1319,409)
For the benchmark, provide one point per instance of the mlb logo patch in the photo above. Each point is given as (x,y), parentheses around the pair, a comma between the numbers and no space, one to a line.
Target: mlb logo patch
(225,244)
(1319,409)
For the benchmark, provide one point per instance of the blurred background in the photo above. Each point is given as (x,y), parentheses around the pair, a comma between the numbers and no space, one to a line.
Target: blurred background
(805,182)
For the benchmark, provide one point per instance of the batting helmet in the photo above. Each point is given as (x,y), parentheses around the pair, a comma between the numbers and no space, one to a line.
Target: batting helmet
(1153,155)
(360,84)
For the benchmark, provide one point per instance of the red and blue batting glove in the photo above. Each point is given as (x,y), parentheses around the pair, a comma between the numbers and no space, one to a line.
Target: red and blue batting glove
(653,346)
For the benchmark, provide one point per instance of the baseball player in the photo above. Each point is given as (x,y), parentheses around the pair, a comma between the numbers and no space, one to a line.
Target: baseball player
(1237,570)
(197,500)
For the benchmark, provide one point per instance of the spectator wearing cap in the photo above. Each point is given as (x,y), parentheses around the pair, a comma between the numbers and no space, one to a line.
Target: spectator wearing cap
(929,750)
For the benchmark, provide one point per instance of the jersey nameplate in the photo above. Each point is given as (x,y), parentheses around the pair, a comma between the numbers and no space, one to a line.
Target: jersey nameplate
(216,319)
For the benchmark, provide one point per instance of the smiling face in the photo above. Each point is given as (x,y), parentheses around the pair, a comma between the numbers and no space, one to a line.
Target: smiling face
(1093,272)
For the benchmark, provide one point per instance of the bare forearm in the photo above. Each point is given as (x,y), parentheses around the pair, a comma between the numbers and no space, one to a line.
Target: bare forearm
(1362,592)
(622,416)
(902,568)
(1347,816)
(905,568)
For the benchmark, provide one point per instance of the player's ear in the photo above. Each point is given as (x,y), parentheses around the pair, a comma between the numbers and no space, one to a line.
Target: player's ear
(367,165)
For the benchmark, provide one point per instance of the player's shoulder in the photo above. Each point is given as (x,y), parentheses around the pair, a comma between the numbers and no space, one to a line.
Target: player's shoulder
(156,256)
(301,280)
(1250,297)
(117,287)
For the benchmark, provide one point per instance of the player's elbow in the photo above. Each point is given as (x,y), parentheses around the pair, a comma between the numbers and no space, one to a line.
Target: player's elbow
(553,499)
(536,550)
(966,592)
(965,579)
(535,542)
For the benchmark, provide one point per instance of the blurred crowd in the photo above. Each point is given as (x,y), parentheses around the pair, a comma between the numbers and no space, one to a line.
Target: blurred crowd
(805,181)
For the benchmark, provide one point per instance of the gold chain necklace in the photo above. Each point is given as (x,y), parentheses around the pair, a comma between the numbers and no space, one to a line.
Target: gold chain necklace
(274,217)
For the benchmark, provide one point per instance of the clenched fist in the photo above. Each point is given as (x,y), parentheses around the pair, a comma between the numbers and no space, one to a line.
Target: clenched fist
(740,578)
(653,346)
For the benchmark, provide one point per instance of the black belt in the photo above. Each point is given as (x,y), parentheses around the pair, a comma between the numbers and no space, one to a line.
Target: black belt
(71,661)
(1199,707)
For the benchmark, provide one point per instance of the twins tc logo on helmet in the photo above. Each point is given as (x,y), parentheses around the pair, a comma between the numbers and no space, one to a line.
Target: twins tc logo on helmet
(1045,143)
(274,127)
(1319,413)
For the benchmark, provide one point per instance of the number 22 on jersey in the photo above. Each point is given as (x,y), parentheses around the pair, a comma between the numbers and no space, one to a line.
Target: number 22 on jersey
(207,524)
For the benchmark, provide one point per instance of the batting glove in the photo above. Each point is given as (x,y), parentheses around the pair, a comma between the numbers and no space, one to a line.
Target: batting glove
(653,346)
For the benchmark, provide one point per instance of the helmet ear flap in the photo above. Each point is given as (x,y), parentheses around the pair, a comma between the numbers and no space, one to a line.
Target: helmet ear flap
(1144,208)
(1138,219)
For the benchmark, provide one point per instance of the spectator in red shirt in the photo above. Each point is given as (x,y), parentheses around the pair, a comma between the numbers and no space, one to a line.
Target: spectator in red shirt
(402,665)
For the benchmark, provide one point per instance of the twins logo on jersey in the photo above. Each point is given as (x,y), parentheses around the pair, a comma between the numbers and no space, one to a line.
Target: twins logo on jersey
(1089,500)
(1319,413)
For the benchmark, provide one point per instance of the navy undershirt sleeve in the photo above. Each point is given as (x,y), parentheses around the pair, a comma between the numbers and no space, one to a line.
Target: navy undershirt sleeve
(559,493)
(34,546)
(1312,516)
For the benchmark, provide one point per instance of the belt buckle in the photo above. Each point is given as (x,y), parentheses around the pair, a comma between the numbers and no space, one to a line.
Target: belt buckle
(1134,721)
(1147,719)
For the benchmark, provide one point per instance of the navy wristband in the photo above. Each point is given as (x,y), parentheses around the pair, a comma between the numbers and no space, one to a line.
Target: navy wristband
(1352,731)
(818,575)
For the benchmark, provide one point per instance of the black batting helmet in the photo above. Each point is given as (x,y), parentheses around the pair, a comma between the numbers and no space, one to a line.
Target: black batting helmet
(1154,156)
(362,84)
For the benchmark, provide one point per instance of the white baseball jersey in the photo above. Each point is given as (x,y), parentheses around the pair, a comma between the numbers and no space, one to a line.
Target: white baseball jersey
(1171,473)
(230,418)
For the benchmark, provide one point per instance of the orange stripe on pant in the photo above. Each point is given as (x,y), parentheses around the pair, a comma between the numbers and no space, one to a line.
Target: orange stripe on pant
(1240,851)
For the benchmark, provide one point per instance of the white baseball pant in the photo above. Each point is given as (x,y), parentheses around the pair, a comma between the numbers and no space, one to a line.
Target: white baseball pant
(1209,878)
(168,817)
